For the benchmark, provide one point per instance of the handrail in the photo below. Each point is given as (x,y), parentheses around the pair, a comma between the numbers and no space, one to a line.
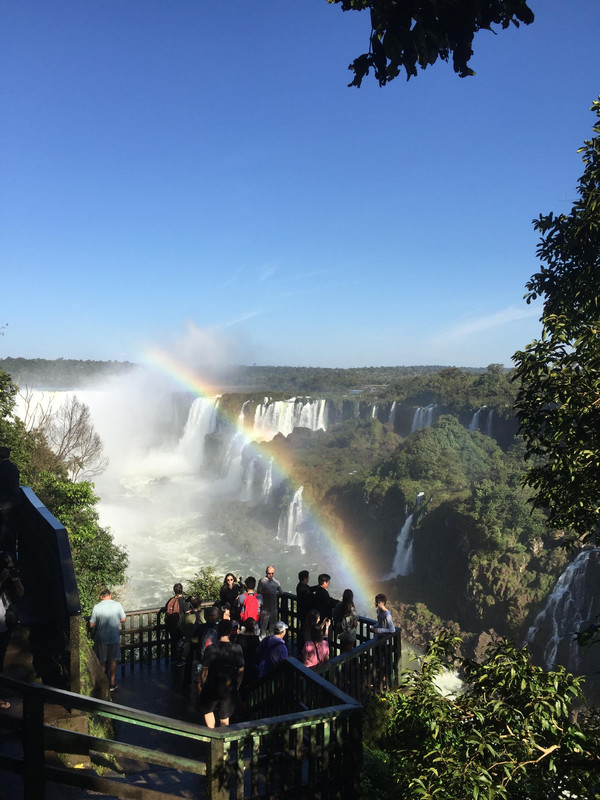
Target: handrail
(244,755)
(51,600)
(373,666)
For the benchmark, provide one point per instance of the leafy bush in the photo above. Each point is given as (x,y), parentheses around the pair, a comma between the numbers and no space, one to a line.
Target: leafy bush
(507,736)
(205,584)
(98,561)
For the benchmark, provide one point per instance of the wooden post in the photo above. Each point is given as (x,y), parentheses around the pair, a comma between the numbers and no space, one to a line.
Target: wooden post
(218,788)
(397,658)
(352,769)
(33,746)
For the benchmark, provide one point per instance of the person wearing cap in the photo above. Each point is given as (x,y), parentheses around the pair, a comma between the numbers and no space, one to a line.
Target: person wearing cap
(107,616)
(272,649)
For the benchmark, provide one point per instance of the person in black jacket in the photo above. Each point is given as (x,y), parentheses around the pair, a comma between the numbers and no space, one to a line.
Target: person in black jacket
(305,596)
(321,599)
(229,592)
(10,497)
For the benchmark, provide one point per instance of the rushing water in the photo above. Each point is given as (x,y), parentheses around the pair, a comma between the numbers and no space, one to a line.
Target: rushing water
(156,495)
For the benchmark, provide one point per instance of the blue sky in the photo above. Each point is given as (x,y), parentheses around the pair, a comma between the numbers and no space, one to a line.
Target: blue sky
(196,174)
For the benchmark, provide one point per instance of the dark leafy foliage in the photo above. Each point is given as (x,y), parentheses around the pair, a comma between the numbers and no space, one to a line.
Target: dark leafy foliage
(507,736)
(97,559)
(558,401)
(407,34)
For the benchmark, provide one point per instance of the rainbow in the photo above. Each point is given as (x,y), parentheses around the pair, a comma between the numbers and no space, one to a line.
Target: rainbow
(349,563)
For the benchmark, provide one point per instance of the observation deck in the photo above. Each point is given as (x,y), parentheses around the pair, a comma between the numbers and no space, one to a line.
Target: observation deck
(299,736)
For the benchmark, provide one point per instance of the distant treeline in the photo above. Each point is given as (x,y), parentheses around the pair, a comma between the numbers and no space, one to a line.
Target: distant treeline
(311,380)
(60,373)
(66,373)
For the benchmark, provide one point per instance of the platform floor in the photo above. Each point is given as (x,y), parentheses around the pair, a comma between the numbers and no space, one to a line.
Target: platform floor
(156,688)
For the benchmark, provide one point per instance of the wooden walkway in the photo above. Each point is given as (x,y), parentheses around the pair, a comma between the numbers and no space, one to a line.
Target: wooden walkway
(153,688)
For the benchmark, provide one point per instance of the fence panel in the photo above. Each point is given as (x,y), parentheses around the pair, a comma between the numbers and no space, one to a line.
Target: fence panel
(301,753)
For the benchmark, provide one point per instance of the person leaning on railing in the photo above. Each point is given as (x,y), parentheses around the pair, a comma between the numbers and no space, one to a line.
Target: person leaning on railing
(345,621)
(316,650)
(385,623)
(11,589)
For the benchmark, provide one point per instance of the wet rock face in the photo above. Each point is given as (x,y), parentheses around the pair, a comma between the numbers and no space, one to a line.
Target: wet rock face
(475,648)
(573,605)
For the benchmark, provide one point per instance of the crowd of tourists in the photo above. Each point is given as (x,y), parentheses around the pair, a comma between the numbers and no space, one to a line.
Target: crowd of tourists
(223,649)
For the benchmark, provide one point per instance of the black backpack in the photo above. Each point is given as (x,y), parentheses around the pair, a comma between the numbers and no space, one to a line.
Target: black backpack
(210,636)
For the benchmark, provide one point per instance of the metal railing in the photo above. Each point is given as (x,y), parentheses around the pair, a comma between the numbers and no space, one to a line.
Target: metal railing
(303,733)
(371,668)
(51,605)
(310,747)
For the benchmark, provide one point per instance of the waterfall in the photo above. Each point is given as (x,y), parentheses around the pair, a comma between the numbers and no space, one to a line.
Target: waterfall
(201,421)
(422,418)
(392,415)
(312,414)
(290,520)
(567,609)
(374,411)
(282,416)
(232,462)
(267,484)
(249,471)
(403,560)
(488,427)
(242,414)
(474,424)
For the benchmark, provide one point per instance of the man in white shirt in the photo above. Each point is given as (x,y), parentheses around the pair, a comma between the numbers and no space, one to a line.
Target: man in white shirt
(107,616)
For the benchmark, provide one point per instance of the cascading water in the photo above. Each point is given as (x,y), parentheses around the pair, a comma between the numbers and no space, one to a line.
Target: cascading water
(571,604)
(422,418)
(313,415)
(267,485)
(174,515)
(202,420)
(488,427)
(374,411)
(232,470)
(392,414)
(290,520)
(474,424)
(242,415)
(282,416)
(248,481)
(403,560)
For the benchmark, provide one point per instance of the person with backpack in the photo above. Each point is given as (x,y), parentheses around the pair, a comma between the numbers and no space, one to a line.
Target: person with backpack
(249,603)
(221,677)
(204,635)
(345,621)
(191,619)
(249,640)
(175,611)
